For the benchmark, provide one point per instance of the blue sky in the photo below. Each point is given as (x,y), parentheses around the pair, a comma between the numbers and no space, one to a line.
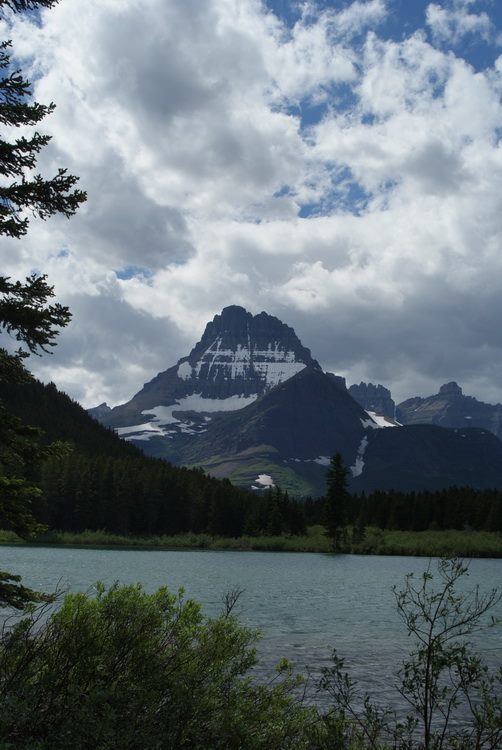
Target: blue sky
(406,16)
(337,164)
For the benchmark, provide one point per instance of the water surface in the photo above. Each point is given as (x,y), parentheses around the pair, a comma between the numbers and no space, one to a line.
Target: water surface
(303,604)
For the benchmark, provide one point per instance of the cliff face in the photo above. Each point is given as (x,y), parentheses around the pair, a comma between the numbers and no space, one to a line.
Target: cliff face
(374,398)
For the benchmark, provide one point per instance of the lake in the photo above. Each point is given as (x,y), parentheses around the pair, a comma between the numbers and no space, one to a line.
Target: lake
(303,604)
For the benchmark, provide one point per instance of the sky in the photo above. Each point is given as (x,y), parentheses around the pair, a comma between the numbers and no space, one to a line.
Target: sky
(337,164)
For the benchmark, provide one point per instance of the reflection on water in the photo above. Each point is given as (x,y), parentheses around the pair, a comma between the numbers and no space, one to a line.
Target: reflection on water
(303,604)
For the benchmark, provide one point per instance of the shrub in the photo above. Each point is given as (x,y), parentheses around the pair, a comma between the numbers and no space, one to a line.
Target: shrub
(128,669)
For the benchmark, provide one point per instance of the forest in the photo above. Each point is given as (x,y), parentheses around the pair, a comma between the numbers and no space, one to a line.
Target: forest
(103,482)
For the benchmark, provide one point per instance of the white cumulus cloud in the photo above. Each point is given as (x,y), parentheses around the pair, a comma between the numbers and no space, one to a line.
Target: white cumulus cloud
(346,181)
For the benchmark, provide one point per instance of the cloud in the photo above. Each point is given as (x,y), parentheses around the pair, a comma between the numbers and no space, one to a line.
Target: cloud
(346,181)
(453,21)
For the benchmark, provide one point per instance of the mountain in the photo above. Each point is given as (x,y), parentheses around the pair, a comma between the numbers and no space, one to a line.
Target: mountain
(99,412)
(249,403)
(450,408)
(239,358)
(285,437)
(103,482)
(374,398)
(248,400)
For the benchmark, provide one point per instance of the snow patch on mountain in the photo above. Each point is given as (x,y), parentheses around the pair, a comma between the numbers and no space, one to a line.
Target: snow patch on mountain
(358,466)
(185,371)
(196,402)
(376,421)
(322,460)
(147,427)
(163,416)
(274,373)
(264,481)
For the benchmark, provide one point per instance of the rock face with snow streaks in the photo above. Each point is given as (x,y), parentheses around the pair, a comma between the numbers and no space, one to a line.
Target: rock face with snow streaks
(239,358)
(242,354)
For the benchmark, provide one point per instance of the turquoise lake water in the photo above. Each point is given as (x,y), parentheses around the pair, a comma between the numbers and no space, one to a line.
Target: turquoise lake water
(303,604)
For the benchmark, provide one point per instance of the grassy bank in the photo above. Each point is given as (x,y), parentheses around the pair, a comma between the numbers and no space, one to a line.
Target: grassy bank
(314,541)
(375,542)
(450,543)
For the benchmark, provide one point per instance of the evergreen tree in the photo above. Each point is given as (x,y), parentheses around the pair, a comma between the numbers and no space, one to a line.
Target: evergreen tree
(337,496)
(25,309)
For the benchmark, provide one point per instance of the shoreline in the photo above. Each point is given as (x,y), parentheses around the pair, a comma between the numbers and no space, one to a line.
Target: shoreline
(468,544)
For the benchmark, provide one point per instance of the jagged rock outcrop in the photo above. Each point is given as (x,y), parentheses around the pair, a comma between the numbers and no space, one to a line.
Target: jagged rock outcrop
(99,412)
(374,398)
(338,379)
(450,408)
(239,358)
(242,354)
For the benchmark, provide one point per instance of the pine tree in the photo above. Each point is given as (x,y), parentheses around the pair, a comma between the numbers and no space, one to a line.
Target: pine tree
(25,309)
(337,497)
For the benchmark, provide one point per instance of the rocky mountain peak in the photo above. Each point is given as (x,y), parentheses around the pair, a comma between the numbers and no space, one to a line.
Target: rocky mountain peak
(99,412)
(374,398)
(450,408)
(239,357)
(451,390)
(254,353)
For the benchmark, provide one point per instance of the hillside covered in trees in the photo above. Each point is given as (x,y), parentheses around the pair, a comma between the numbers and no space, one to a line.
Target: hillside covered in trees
(103,482)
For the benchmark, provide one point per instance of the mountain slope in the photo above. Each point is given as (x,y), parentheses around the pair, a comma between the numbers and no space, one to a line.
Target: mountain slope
(289,434)
(62,418)
(426,457)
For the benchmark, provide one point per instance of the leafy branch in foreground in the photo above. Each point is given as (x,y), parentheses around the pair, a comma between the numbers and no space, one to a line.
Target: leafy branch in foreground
(443,674)
(17,596)
(455,700)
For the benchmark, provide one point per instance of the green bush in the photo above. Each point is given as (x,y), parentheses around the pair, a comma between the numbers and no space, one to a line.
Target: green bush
(128,669)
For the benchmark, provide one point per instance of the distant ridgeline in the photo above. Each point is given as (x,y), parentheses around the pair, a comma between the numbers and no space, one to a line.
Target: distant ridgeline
(450,408)
(107,483)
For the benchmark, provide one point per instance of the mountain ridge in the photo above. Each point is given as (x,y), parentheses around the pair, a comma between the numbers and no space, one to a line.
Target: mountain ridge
(451,408)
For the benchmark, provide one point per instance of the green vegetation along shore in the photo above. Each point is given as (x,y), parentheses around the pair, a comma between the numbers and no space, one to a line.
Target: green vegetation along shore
(374,541)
